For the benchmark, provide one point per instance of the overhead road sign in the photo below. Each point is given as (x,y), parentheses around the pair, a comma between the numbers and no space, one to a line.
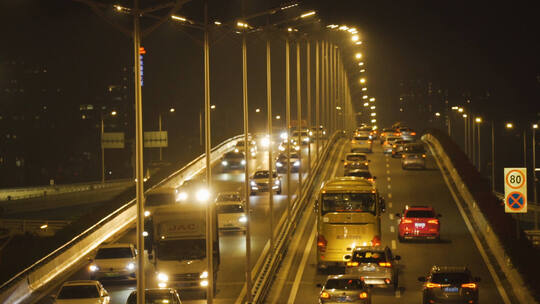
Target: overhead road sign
(155,139)
(515,190)
(112,140)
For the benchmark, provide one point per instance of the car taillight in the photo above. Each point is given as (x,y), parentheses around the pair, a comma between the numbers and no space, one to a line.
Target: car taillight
(394,146)
(435,221)
(406,221)
(403,156)
(385,264)
(321,243)
(376,241)
(363,295)
(396,134)
(433,285)
(423,155)
(369,141)
(413,133)
(325,295)
(469,285)
(352,264)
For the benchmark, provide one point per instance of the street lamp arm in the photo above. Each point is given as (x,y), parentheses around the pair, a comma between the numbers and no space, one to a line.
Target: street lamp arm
(174,9)
(98,9)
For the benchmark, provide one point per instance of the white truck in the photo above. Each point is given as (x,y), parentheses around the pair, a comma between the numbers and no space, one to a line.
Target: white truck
(179,246)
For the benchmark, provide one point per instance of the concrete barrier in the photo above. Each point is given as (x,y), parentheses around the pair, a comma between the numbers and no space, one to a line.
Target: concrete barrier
(514,278)
(48,268)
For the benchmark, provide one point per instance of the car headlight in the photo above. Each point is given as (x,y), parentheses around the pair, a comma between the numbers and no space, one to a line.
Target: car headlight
(162,277)
(279,165)
(236,150)
(204,275)
(243,162)
(182,196)
(296,163)
(145,233)
(202,195)
(276,182)
(297,148)
(310,133)
(146,213)
(224,163)
(281,148)
(93,268)
(130,266)
(204,283)
(242,219)
(253,183)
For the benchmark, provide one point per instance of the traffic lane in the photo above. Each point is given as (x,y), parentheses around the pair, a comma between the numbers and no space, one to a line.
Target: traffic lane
(233,246)
(427,187)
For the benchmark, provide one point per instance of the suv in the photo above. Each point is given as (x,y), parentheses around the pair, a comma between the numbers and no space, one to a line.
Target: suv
(375,265)
(445,284)
(83,291)
(344,288)
(419,222)
(114,261)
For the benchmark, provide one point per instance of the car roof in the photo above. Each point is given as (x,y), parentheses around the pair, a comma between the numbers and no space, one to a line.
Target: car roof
(370,248)
(342,276)
(355,153)
(418,207)
(443,268)
(116,245)
(81,282)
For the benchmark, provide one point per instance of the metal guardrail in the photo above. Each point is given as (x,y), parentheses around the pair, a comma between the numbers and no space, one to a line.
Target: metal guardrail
(274,257)
(43,271)
(43,191)
(37,227)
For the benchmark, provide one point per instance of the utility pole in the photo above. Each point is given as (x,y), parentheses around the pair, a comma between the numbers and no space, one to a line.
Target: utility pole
(299,114)
(308,95)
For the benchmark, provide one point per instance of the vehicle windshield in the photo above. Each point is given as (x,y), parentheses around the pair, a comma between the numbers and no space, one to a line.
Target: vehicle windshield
(344,284)
(79,292)
(158,199)
(153,297)
(114,253)
(263,174)
(228,197)
(179,250)
(230,208)
(369,256)
(294,155)
(420,214)
(359,173)
(356,157)
(231,155)
(413,149)
(453,278)
(348,202)
(361,137)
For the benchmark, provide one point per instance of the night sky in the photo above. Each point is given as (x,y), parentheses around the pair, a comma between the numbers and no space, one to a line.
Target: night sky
(475,48)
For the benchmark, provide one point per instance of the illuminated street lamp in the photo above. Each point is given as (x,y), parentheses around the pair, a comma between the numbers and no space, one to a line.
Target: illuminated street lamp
(366,104)
(464,115)
(278,117)
(358,55)
(172,110)
(365,97)
(361,63)
(455,108)
(358,42)
(438,114)
(364,89)
(509,125)
(372,99)
(355,38)
(213,107)
(373,120)
(362,80)
(478,119)
(373,114)
(257,110)
(372,107)
(113,113)
(460,110)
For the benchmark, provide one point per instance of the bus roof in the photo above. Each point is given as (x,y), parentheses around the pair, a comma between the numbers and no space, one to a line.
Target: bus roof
(348,183)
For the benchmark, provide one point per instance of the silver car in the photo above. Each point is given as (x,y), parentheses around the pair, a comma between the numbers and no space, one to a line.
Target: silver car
(413,156)
(344,289)
(375,264)
(259,182)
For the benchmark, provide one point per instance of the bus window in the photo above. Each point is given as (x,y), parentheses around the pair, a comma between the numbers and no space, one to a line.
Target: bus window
(348,202)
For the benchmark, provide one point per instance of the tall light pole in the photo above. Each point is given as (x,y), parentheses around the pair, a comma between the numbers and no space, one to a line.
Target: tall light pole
(269,127)
(535,181)
(288,123)
(299,113)
(139,154)
(493,155)
(465,133)
(317,99)
(209,206)
(102,151)
(478,121)
(308,96)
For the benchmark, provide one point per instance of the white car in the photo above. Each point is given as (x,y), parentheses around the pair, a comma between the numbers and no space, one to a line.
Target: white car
(231,211)
(114,261)
(82,292)
(259,182)
(361,143)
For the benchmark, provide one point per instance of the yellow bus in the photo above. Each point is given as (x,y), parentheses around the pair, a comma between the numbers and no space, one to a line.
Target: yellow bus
(348,215)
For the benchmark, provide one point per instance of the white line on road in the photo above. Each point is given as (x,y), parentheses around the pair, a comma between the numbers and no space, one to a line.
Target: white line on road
(387,171)
(387,165)
(391,216)
(392,229)
(303,263)
(398,293)
(389,205)
(388,178)
(389,187)
(394,244)
(389,195)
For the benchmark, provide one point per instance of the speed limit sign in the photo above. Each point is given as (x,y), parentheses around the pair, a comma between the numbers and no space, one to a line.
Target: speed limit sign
(515,190)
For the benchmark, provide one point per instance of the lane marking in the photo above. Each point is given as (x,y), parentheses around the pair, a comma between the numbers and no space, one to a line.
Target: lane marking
(389,187)
(394,244)
(481,249)
(392,229)
(391,216)
(389,195)
(387,171)
(387,165)
(389,205)
(398,293)
(389,178)
(303,263)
